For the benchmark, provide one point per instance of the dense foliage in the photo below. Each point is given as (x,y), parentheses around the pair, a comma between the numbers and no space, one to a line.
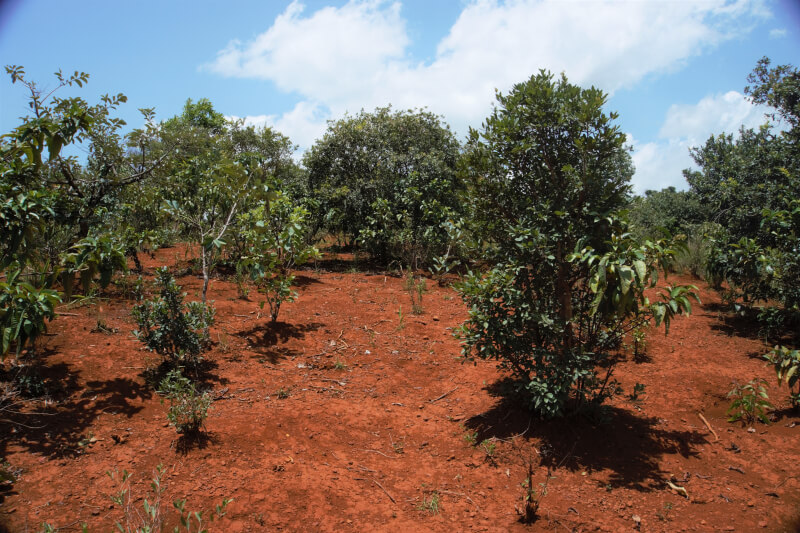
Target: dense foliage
(176,331)
(549,173)
(387,179)
(751,185)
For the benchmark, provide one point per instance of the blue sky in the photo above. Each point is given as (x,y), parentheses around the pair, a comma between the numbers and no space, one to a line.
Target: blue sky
(675,70)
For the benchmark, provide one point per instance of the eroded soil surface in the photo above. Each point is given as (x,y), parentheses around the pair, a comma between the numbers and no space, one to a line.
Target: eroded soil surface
(343,416)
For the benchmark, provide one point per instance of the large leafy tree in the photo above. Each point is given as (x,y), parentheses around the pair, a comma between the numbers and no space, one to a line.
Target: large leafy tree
(53,207)
(751,182)
(387,178)
(549,171)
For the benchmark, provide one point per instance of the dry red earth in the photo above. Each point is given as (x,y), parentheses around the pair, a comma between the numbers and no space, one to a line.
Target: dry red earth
(338,419)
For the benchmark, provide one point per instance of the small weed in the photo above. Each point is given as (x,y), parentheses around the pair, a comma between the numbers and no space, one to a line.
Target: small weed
(102,327)
(415,288)
(750,402)
(223,343)
(430,503)
(7,474)
(664,513)
(371,334)
(489,446)
(398,446)
(470,437)
(638,390)
(339,365)
(400,319)
(283,393)
(152,519)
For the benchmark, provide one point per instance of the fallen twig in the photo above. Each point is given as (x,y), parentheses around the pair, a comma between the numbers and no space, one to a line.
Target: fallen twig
(716,437)
(220,394)
(736,468)
(385,491)
(679,490)
(379,452)
(442,396)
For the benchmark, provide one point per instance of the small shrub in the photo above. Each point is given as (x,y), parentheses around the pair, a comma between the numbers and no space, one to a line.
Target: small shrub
(532,497)
(23,311)
(131,289)
(750,402)
(188,407)
(176,331)
(772,322)
(241,279)
(787,366)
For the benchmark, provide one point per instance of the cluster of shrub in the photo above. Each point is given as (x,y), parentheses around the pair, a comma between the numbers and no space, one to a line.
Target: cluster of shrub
(534,212)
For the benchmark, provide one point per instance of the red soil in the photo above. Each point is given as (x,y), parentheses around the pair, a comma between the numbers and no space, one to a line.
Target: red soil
(377,420)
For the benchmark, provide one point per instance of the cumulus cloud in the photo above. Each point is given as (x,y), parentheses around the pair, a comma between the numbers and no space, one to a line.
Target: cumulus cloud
(660,164)
(343,59)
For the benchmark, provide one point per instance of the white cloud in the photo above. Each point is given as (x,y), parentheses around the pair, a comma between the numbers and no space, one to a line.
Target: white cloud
(713,114)
(660,164)
(777,33)
(355,56)
(343,59)
(303,124)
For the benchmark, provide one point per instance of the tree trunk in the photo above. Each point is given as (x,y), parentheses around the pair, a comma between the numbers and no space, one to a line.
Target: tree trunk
(564,290)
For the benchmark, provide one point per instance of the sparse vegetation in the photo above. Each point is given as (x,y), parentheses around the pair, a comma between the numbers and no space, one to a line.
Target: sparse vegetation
(560,268)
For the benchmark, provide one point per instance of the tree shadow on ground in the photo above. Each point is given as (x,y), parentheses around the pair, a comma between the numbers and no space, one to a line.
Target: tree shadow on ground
(346,263)
(627,445)
(59,429)
(304,281)
(190,441)
(201,373)
(264,340)
(747,325)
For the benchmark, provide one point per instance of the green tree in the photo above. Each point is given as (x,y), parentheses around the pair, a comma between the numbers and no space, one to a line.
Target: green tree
(389,180)
(549,171)
(675,211)
(276,237)
(751,184)
(207,181)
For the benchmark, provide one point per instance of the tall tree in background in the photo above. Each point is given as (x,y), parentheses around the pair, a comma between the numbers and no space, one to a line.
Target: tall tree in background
(389,180)
(752,184)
